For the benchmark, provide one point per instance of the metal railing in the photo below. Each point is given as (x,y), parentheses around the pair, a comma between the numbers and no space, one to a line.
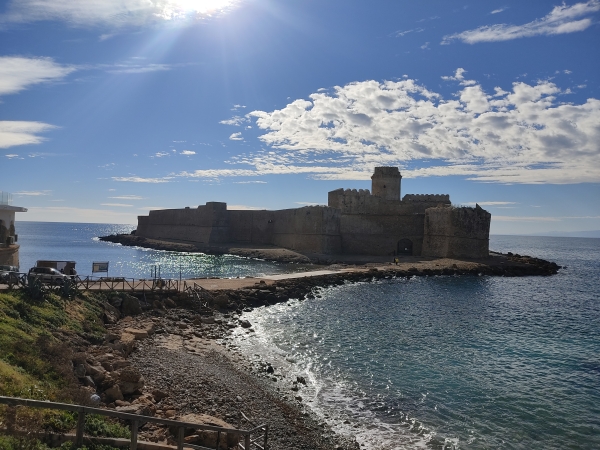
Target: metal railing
(91,283)
(260,432)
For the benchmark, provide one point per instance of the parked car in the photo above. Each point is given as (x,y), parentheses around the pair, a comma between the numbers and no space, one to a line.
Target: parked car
(46,275)
(9,274)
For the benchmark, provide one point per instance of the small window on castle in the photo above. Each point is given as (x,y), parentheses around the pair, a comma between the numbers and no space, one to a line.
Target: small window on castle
(384,186)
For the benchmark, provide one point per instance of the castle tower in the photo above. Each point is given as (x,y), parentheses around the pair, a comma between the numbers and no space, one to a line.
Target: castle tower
(386,183)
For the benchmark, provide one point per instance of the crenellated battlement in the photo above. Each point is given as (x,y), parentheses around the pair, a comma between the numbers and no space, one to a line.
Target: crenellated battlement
(357,192)
(433,198)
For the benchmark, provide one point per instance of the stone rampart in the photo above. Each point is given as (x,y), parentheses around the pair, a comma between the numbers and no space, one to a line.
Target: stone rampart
(456,232)
(205,224)
(314,229)
(430,198)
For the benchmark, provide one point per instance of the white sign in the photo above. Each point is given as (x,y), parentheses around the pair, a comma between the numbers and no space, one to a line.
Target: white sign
(100,266)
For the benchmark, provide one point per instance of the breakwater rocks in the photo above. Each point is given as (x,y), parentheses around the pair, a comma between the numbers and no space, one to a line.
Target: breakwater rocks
(262,294)
(266,252)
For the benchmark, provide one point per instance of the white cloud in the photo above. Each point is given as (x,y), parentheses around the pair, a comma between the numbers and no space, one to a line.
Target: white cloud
(32,193)
(541,219)
(250,182)
(425,46)
(142,180)
(138,68)
(78,215)
(14,132)
(161,154)
(12,156)
(499,10)
(188,152)
(116,204)
(127,197)
(245,207)
(561,20)
(236,137)
(18,73)
(114,13)
(235,120)
(147,208)
(491,203)
(405,32)
(520,135)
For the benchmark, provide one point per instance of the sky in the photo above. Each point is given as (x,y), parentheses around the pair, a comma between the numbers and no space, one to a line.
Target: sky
(112,108)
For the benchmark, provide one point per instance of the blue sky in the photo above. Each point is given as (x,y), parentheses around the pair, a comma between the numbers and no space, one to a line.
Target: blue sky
(111,108)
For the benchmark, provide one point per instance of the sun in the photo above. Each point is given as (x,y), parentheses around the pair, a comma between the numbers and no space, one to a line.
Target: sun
(179,8)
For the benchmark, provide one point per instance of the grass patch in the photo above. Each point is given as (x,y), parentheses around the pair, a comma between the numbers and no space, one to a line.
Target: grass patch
(20,443)
(33,363)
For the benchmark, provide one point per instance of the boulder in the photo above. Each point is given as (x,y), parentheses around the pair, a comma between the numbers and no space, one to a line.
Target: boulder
(159,395)
(170,303)
(98,373)
(79,371)
(130,306)
(207,438)
(145,405)
(130,380)
(245,324)
(113,393)
(111,314)
(221,300)
(138,334)
(116,301)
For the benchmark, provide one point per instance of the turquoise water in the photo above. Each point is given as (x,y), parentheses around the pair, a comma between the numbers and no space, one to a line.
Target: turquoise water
(79,242)
(451,362)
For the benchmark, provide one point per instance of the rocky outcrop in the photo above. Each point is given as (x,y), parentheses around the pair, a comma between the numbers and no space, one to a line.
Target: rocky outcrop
(206,438)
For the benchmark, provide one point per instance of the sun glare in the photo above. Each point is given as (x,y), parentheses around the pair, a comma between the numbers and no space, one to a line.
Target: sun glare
(180,8)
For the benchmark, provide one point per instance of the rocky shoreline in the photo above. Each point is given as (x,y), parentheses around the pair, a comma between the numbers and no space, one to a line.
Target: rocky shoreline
(165,356)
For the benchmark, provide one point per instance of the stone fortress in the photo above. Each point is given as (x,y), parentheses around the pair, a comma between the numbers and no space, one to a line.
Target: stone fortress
(355,222)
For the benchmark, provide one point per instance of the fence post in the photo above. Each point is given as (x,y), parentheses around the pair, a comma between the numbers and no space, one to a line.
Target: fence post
(180,432)
(134,435)
(266,436)
(218,440)
(247,442)
(80,426)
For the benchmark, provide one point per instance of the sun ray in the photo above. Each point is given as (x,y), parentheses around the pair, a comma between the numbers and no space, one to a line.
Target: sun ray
(173,9)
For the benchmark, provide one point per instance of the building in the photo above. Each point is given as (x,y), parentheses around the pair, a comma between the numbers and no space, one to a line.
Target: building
(9,249)
(356,222)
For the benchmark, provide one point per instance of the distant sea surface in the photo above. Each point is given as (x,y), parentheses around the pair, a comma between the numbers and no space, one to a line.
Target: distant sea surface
(79,242)
(439,362)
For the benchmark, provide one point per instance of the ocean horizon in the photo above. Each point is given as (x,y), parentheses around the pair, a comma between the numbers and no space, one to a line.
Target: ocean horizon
(441,362)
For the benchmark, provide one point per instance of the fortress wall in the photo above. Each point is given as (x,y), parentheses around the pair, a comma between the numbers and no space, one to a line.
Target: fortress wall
(208,223)
(456,232)
(428,198)
(379,235)
(251,226)
(313,229)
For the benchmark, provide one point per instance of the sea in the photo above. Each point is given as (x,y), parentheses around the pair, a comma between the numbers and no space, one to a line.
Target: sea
(440,362)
